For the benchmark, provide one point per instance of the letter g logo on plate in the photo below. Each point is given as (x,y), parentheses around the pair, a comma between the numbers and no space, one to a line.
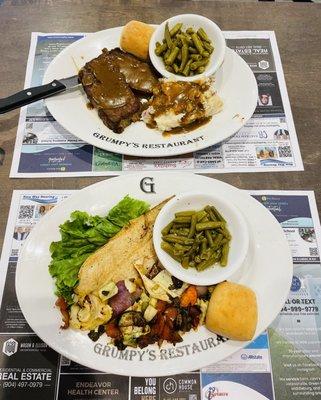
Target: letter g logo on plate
(147,185)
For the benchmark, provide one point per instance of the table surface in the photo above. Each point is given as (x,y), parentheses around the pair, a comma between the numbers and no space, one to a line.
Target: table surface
(298,32)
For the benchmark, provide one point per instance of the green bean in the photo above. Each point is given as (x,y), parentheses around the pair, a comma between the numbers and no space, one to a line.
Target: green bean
(179,225)
(181,220)
(224,258)
(179,252)
(207,263)
(217,214)
(196,57)
(167,53)
(180,231)
(176,68)
(167,228)
(190,31)
(178,239)
(192,50)
(217,241)
(205,54)
(193,226)
(185,262)
(200,70)
(200,215)
(169,250)
(168,36)
(158,44)
(197,43)
(203,36)
(160,50)
(200,63)
(169,68)
(187,68)
(185,55)
(186,39)
(197,259)
(201,226)
(175,29)
(193,249)
(185,213)
(174,43)
(171,58)
(209,238)
(225,233)
(203,245)
(210,213)
(205,255)
(208,47)
(179,246)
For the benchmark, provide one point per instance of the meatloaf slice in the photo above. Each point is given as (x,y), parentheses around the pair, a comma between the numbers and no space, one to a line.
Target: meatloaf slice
(138,74)
(108,92)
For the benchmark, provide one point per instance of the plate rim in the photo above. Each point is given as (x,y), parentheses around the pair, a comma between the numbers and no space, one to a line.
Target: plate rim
(152,153)
(235,345)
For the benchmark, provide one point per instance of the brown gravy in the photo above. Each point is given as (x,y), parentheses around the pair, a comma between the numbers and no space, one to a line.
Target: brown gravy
(187,128)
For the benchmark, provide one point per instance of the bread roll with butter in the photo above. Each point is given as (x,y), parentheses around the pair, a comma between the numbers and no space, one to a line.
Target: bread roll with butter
(135,38)
(232,311)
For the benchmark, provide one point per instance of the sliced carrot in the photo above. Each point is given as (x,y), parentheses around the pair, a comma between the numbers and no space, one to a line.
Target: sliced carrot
(189,297)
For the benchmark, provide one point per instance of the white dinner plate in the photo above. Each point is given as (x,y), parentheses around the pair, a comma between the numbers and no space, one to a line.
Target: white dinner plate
(267,270)
(235,84)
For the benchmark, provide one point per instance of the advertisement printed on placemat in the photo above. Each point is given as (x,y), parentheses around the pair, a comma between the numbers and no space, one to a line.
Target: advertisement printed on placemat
(267,142)
(284,361)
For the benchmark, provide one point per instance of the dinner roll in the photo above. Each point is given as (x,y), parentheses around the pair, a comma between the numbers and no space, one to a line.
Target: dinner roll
(135,38)
(232,311)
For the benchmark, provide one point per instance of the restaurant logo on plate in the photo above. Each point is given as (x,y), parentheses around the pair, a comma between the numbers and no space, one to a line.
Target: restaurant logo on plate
(147,185)
(10,347)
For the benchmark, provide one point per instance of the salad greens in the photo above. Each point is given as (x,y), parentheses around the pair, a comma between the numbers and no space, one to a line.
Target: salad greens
(81,236)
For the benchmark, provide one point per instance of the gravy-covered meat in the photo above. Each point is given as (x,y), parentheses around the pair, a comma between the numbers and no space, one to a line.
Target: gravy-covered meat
(138,74)
(110,82)
(108,92)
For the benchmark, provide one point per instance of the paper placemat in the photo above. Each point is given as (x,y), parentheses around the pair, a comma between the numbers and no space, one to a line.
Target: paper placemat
(282,363)
(268,142)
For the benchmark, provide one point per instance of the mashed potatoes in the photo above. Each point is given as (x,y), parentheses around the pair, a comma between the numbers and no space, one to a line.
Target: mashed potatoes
(177,104)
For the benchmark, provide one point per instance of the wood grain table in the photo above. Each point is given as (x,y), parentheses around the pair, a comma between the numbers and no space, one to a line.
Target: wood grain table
(298,31)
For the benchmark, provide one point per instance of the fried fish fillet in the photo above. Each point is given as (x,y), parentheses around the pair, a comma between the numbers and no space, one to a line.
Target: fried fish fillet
(116,259)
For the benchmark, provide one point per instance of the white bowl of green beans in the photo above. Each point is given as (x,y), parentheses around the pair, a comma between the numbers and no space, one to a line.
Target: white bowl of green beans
(187,47)
(200,238)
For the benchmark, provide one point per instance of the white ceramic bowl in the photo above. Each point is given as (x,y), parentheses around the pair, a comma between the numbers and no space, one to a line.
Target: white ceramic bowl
(195,21)
(235,223)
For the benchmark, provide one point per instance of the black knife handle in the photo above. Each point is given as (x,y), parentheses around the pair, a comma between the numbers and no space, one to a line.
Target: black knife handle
(31,95)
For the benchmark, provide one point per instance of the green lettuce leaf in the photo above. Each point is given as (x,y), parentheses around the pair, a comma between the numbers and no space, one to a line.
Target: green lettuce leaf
(83,234)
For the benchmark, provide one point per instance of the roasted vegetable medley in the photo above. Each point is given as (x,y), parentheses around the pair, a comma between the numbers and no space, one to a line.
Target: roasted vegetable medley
(149,309)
